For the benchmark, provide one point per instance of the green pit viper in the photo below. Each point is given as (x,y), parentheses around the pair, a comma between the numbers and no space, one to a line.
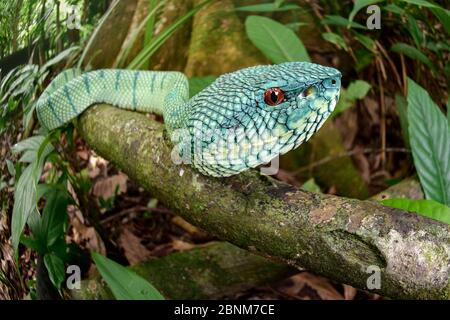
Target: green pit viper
(242,120)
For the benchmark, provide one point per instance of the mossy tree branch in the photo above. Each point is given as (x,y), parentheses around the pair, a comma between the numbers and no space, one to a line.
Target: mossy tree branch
(333,236)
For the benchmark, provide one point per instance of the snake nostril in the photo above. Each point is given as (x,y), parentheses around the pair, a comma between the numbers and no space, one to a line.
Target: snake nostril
(333,81)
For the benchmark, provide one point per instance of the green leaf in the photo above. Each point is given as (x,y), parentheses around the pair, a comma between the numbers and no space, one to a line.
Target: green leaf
(429,135)
(401,104)
(32,243)
(24,202)
(358,5)
(364,58)
(356,90)
(268,7)
(366,41)
(312,186)
(3,184)
(444,17)
(197,84)
(421,3)
(25,197)
(150,24)
(124,283)
(34,222)
(294,26)
(31,144)
(341,21)
(394,8)
(335,39)
(11,168)
(276,41)
(414,30)
(60,56)
(54,216)
(412,53)
(55,268)
(427,208)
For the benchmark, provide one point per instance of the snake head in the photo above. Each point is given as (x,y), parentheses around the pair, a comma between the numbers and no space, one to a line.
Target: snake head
(248,117)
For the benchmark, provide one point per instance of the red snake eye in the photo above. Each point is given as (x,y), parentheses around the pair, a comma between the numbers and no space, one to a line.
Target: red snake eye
(273,96)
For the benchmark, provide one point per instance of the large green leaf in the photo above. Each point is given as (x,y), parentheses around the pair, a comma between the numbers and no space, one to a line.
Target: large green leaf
(276,41)
(412,53)
(55,268)
(427,208)
(124,283)
(24,203)
(358,5)
(25,197)
(429,135)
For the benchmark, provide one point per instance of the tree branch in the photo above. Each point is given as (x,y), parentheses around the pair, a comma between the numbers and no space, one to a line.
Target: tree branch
(333,236)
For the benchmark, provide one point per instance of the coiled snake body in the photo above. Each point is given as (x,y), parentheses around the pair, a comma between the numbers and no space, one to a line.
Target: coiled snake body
(244,119)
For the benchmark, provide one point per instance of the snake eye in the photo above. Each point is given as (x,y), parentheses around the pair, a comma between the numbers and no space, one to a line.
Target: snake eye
(273,96)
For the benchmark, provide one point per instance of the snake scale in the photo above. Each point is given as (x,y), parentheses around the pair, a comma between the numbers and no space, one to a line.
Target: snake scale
(242,120)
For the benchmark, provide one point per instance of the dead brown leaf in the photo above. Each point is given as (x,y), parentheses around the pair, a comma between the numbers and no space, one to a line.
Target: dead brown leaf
(349,292)
(107,187)
(321,285)
(97,166)
(87,236)
(134,250)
